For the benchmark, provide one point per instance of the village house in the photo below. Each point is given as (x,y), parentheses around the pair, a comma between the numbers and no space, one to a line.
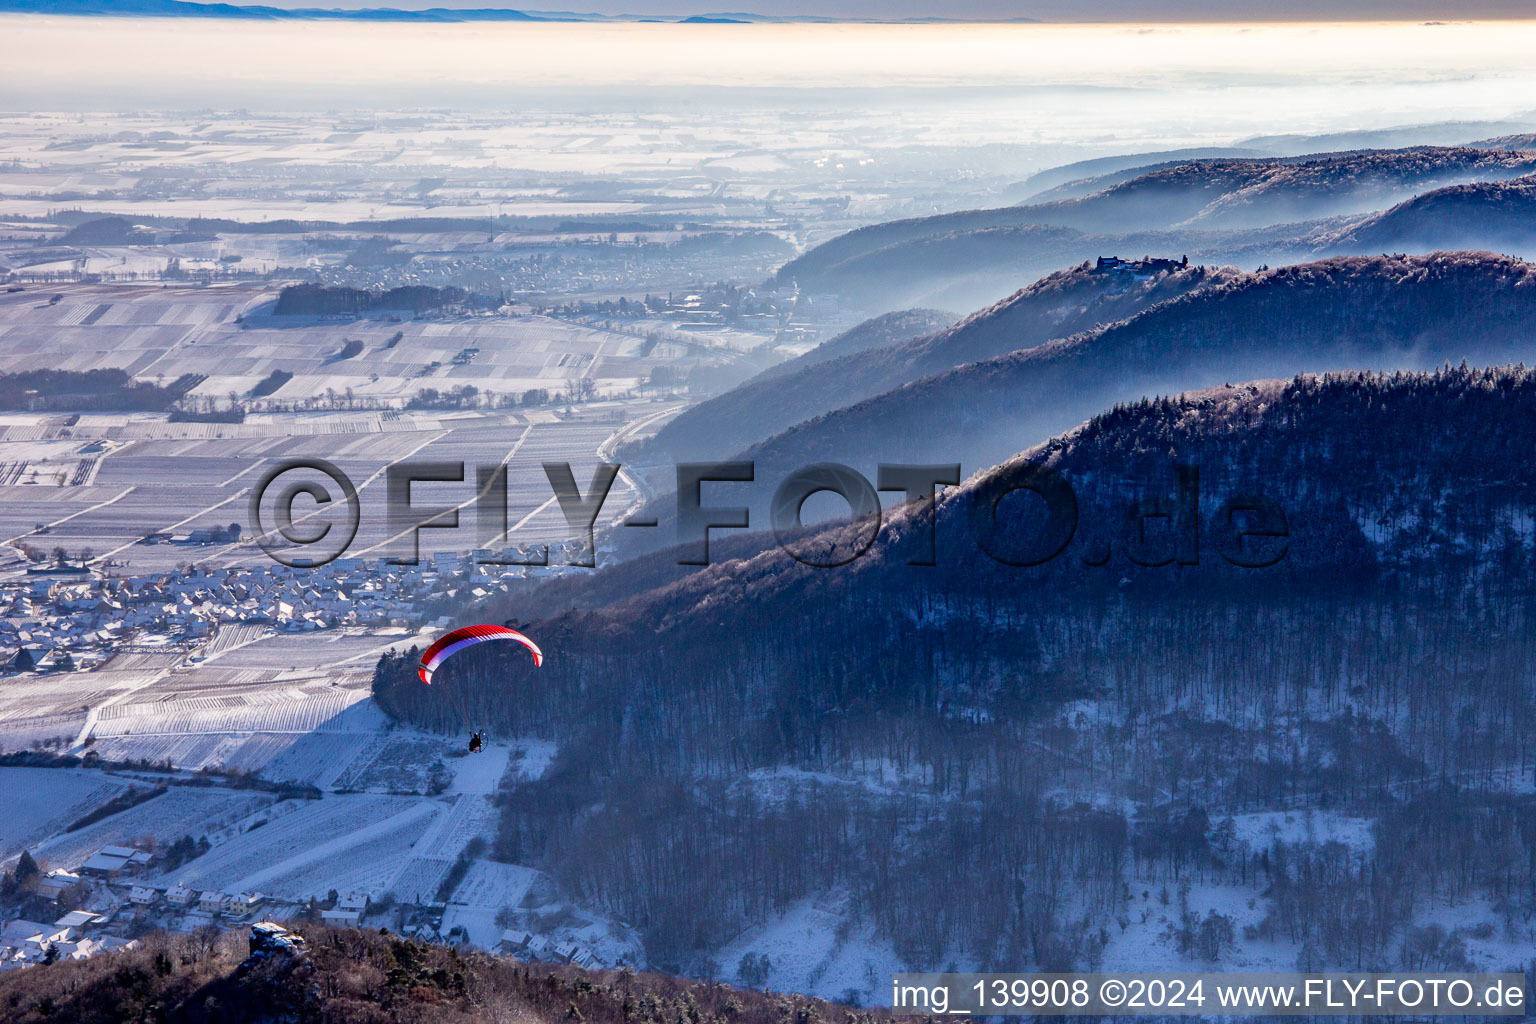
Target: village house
(213,902)
(80,920)
(83,623)
(244,905)
(14,935)
(56,882)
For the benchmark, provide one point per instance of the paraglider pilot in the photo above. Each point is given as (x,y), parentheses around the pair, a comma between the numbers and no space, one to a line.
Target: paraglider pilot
(450,643)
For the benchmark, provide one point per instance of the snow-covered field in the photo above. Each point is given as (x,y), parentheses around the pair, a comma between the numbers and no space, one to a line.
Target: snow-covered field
(40,802)
(349,843)
(284,731)
(486,889)
(480,774)
(531,758)
(182,811)
(320,758)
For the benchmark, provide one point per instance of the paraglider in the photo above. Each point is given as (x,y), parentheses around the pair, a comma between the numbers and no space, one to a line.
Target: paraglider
(450,644)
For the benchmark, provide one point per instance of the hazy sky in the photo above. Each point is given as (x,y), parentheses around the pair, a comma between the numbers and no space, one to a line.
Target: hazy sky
(1197,81)
(1070,10)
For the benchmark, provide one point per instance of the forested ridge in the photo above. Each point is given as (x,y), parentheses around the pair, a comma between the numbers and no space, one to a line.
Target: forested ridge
(316,300)
(1061,304)
(1250,193)
(1000,764)
(1221,192)
(1348,312)
(1483,213)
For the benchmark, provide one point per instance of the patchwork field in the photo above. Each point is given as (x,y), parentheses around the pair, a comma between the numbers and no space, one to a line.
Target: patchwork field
(181,484)
(159,333)
(100,482)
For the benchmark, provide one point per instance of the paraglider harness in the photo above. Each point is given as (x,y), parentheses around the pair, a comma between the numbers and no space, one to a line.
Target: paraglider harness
(474,743)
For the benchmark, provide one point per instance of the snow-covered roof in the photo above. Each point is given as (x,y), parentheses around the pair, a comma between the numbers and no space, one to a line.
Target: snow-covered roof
(105,862)
(20,930)
(78,919)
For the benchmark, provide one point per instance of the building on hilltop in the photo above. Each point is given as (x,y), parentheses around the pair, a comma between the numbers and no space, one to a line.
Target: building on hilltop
(1144,267)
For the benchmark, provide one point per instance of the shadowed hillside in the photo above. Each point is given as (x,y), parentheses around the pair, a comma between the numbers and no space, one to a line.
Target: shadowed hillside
(1254,193)
(1222,193)
(1498,215)
(761,730)
(819,382)
(1410,312)
(1240,211)
(876,333)
(971,269)
(1084,177)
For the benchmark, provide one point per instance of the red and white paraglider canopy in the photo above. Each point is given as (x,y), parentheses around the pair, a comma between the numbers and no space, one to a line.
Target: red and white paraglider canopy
(451,643)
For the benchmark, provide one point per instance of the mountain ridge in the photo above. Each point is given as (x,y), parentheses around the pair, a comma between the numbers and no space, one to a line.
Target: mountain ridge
(1340,313)
(1484,213)
(1248,211)
(1058,304)
(1136,444)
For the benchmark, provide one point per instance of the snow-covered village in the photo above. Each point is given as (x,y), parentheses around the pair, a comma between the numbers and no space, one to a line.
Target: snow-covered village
(61,617)
(160,808)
